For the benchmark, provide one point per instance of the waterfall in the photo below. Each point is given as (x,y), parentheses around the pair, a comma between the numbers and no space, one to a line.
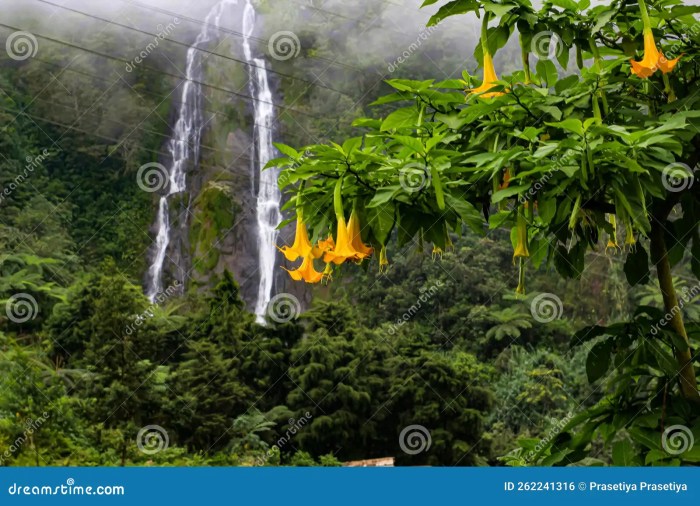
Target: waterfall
(268,195)
(184,145)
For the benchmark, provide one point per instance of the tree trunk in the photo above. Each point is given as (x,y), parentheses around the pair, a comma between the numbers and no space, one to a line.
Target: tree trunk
(659,255)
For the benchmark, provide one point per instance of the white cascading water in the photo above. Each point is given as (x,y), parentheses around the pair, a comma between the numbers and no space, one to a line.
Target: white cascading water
(269,197)
(189,128)
(184,145)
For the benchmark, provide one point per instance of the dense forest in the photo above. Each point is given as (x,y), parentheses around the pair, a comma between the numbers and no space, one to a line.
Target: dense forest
(527,328)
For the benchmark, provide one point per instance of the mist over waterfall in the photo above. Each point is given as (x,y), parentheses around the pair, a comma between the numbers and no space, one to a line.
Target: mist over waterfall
(185,145)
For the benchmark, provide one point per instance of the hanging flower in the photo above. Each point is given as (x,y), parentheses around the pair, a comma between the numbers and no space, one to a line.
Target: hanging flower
(343,249)
(490,79)
(302,247)
(653,59)
(355,233)
(306,271)
(383,260)
(437,252)
(328,273)
(612,238)
(521,250)
(630,240)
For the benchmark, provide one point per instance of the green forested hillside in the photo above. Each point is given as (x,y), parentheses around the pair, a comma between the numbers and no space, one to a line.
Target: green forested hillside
(93,373)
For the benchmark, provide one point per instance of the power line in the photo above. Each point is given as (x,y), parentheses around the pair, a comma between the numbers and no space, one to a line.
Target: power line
(257,39)
(144,92)
(200,83)
(188,46)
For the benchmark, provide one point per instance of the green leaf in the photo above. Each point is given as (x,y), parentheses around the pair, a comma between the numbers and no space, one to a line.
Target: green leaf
(547,71)
(498,9)
(637,266)
(598,360)
(624,453)
(467,212)
(287,150)
(509,192)
(381,221)
(566,4)
(572,125)
(452,9)
(401,118)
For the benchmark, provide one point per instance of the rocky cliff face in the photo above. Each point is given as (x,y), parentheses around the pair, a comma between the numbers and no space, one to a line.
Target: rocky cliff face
(215,225)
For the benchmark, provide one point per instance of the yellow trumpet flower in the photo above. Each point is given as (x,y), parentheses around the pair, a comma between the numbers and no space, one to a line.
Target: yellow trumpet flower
(356,235)
(490,80)
(302,247)
(612,238)
(521,250)
(343,249)
(306,271)
(653,59)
